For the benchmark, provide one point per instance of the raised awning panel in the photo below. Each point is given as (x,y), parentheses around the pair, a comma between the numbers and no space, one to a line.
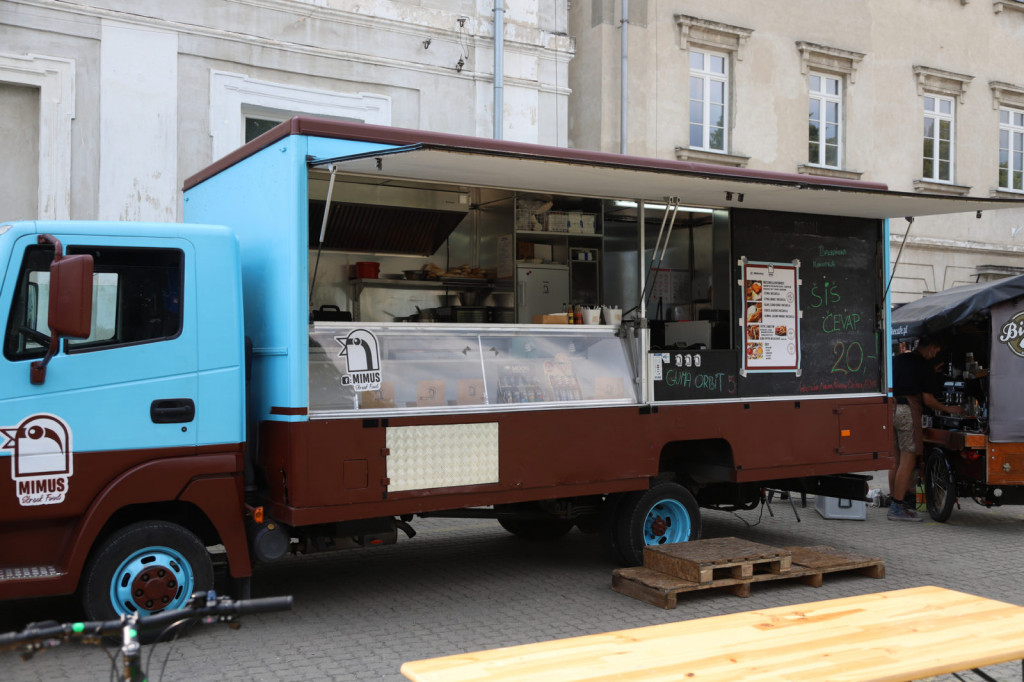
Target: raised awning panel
(653,182)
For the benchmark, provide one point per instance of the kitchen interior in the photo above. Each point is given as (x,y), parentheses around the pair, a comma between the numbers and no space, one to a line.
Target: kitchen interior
(405,251)
(485,277)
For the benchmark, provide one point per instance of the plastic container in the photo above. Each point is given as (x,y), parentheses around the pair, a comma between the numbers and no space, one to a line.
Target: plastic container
(591,315)
(835,508)
(366,269)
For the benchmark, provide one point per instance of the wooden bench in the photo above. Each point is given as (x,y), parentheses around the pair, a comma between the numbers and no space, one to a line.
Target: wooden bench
(899,635)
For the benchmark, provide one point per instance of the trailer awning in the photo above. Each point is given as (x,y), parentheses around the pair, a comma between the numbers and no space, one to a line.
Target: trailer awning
(946,309)
(431,157)
(601,175)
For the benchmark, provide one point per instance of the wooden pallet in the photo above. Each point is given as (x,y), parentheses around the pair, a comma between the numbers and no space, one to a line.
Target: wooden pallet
(807,564)
(705,560)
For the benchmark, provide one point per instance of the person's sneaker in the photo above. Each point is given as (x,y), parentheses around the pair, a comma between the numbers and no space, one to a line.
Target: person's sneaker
(897,512)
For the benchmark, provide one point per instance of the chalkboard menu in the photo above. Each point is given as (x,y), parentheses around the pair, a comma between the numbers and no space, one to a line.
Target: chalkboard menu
(693,374)
(838,295)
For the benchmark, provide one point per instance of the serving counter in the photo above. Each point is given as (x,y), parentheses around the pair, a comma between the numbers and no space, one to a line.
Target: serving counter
(402,368)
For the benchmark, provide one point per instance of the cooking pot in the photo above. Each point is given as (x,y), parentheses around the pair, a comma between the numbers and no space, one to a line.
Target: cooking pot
(367,269)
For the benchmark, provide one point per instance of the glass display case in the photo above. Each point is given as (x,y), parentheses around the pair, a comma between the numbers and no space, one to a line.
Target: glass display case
(355,367)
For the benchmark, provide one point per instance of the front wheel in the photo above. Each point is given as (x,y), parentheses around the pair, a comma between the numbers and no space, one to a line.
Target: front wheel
(667,513)
(939,486)
(145,568)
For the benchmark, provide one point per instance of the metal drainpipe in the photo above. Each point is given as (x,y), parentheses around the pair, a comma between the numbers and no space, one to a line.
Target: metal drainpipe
(499,59)
(625,76)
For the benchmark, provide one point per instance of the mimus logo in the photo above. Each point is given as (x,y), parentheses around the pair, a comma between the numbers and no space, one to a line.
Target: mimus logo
(41,459)
(362,357)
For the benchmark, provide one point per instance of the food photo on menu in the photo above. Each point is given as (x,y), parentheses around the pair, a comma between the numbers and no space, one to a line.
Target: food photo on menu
(754,290)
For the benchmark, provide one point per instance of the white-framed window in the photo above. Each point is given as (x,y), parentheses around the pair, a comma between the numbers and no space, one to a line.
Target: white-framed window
(713,49)
(1011,149)
(825,120)
(241,106)
(709,94)
(47,88)
(939,115)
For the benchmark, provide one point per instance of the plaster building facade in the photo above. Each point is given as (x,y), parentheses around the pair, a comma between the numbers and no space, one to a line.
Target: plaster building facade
(107,106)
(923,95)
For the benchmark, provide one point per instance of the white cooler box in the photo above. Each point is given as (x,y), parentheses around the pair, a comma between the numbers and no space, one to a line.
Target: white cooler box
(836,508)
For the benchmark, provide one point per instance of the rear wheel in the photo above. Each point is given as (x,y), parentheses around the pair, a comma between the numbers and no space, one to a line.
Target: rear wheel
(665,514)
(145,568)
(939,486)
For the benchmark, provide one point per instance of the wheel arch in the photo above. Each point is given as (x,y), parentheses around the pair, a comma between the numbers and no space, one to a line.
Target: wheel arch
(167,488)
(185,514)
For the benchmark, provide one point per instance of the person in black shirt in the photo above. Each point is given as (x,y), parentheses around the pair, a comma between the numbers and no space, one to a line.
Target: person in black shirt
(914,385)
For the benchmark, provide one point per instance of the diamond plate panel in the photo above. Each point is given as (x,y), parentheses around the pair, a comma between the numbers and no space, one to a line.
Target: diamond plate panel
(442,456)
(29,572)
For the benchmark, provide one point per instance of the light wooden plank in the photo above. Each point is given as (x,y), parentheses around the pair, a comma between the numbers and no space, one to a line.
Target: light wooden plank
(898,635)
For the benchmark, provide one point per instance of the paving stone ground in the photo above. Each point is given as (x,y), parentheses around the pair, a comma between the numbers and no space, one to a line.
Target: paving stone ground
(465,585)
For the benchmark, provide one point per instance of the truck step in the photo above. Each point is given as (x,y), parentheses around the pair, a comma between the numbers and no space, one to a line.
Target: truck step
(807,564)
(29,572)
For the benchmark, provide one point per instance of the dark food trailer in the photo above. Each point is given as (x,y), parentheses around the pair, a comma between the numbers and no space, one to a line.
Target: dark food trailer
(979,454)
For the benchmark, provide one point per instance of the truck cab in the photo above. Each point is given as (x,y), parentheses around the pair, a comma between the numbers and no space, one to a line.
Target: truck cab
(139,416)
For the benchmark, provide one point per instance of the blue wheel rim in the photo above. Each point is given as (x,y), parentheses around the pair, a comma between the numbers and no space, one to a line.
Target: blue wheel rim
(667,521)
(151,580)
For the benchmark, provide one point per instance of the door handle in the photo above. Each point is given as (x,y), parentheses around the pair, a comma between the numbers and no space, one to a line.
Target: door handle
(172,411)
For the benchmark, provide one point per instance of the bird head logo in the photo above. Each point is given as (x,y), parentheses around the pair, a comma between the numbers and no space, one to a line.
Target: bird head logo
(40,445)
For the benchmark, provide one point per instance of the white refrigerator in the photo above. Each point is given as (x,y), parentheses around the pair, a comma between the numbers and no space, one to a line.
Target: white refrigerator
(541,288)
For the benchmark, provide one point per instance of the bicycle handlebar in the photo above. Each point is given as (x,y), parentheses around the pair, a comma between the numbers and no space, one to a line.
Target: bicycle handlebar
(205,606)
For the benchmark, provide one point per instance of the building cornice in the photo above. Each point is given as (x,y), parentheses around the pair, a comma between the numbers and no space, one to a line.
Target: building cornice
(957,245)
(697,32)
(704,156)
(1011,5)
(942,82)
(825,58)
(1006,94)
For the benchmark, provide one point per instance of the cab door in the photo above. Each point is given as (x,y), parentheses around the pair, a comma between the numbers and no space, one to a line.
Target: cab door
(109,402)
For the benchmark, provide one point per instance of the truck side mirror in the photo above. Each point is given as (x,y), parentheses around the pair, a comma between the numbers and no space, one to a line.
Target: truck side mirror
(71,296)
(70,311)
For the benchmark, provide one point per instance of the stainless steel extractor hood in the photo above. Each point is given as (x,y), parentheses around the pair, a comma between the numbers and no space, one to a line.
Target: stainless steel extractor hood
(379,218)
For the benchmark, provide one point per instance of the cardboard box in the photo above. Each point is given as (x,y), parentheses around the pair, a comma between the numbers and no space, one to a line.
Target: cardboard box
(835,508)
(556,318)
(470,392)
(384,397)
(524,250)
(430,393)
(609,388)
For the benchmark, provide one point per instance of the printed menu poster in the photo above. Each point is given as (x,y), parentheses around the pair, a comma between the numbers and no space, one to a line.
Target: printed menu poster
(771,317)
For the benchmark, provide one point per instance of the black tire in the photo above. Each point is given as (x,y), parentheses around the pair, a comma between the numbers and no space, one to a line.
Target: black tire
(939,486)
(667,513)
(537,530)
(145,568)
